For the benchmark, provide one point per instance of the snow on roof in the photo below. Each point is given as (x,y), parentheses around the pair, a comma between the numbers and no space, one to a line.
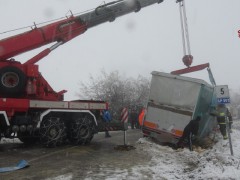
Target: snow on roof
(183,78)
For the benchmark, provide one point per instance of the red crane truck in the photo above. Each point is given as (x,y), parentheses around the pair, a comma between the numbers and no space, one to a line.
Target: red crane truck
(29,107)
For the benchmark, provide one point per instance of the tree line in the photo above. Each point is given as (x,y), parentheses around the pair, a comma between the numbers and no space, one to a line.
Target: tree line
(117,90)
(120,91)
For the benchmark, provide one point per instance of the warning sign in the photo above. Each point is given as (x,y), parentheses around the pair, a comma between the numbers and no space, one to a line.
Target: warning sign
(124,115)
(222,94)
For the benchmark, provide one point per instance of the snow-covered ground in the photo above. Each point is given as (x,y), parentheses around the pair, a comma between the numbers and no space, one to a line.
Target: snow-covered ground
(200,164)
(214,163)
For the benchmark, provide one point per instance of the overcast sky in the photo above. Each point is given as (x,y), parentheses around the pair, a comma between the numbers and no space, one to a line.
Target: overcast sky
(134,44)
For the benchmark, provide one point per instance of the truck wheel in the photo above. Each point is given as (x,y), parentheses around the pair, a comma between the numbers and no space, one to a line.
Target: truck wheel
(27,138)
(81,130)
(12,81)
(53,132)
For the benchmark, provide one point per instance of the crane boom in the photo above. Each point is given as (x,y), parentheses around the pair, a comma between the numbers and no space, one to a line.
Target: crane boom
(23,80)
(67,29)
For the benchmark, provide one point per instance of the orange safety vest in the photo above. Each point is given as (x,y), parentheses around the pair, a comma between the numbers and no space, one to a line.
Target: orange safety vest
(140,117)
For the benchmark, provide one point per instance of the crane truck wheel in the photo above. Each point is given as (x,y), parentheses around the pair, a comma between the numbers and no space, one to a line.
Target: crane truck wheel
(52,132)
(12,81)
(81,130)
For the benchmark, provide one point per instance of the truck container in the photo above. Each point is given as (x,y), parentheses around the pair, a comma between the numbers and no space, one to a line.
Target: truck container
(173,101)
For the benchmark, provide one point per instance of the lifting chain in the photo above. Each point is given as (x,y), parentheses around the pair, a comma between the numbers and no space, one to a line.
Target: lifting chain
(187,58)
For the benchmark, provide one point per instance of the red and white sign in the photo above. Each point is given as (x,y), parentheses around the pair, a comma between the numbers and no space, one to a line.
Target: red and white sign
(124,115)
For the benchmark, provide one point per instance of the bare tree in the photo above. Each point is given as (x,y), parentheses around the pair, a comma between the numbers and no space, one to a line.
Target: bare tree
(235,103)
(117,90)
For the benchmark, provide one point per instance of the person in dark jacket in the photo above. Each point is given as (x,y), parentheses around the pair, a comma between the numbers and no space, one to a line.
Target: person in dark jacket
(190,130)
(106,118)
(134,120)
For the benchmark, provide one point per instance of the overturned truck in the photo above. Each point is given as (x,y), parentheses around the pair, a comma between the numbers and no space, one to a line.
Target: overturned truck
(173,101)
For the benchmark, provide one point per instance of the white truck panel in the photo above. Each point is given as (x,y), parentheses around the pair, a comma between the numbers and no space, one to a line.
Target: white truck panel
(173,101)
(48,104)
(171,90)
(67,105)
(166,120)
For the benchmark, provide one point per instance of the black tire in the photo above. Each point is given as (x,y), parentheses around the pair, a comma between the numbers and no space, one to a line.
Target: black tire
(12,81)
(53,132)
(27,138)
(89,139)
(81,130)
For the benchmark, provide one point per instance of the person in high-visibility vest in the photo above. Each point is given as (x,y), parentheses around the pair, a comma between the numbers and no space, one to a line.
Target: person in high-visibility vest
(141,117)
(221,114)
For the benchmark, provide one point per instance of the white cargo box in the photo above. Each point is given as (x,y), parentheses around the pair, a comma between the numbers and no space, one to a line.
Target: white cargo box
(173,101)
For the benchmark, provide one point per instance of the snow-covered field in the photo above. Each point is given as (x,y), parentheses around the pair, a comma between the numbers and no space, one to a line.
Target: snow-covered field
(214,163)
(166,163)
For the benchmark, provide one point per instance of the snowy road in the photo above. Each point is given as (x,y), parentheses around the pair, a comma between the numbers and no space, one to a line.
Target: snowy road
(97,160)
(148,161)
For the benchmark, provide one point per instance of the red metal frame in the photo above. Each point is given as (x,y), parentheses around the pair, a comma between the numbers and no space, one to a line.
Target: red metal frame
(64,30)
(190,69)
(36,86)
(12,105)
(60,32)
